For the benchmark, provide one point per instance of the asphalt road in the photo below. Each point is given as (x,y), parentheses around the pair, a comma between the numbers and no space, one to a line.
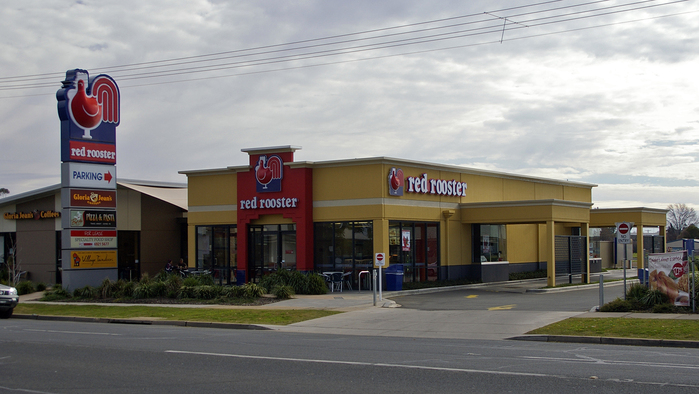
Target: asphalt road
(510,297)
(70,357)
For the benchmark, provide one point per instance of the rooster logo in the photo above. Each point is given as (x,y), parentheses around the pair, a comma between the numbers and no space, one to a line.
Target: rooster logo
(89,102)
(269,174)
(395,182)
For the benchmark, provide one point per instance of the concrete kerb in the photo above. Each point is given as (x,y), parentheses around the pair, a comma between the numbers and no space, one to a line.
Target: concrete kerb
(609,341)
(144,322)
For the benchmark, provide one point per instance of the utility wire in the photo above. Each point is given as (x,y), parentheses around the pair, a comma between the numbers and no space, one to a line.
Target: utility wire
(537,18)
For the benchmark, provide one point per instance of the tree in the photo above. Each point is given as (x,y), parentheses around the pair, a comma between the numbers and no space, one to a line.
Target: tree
(679,217)
(3,192)
(691,232)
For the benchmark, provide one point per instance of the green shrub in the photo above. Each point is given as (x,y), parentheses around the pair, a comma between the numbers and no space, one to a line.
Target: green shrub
(161,276)
(232,292)
(126,289)
(190,281)
(159,289)
(187,292)
(636,292)
(528,275)
(618,305)
(251,290)
(25,287)
(206,280)
(654,297)
(664,308)
(144,290)
(86,292)
(57,292)
(145,278)
(316,284)
(106,289)
(174,282)
(41,286)
(283,292)
(206,292)
(301,283)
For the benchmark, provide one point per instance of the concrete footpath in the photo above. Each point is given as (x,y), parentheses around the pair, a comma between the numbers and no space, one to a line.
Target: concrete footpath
(387,318)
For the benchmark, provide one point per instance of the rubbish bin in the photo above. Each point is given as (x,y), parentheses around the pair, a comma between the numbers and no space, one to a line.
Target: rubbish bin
(239,277)
(394,277)
(643,276)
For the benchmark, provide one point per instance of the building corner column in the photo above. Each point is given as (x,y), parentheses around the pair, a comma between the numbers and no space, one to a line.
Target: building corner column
(551,253)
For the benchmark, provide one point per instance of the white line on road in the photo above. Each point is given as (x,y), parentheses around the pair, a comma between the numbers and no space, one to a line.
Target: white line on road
(72,332)
(365,364)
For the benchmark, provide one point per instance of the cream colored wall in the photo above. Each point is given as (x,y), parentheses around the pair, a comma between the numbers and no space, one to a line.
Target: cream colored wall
(128,210)
(8,226)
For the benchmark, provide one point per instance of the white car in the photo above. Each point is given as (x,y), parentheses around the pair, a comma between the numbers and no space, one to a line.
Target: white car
(8,301)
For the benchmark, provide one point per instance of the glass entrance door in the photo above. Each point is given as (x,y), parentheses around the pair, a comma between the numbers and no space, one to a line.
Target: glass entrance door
(272,247)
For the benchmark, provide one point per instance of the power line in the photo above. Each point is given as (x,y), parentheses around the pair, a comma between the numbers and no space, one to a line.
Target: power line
(479,25)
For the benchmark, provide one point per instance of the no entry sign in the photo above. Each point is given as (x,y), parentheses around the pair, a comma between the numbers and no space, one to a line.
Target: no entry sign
(380,260)
(623,232)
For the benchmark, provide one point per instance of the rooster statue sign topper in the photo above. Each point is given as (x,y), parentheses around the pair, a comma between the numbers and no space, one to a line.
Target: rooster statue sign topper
(88,107)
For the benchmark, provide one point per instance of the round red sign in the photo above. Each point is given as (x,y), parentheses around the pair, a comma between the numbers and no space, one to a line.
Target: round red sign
(623,228)
(379,257)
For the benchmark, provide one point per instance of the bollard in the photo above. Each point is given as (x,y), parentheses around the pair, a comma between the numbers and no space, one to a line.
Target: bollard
(374,285)
(601,291)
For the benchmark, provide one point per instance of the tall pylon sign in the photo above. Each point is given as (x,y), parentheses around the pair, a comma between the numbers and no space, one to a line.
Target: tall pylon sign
(89,112)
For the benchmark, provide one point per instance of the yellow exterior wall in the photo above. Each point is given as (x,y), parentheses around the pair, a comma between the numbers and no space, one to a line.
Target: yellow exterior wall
(357,190)
(523,243)
(215,189)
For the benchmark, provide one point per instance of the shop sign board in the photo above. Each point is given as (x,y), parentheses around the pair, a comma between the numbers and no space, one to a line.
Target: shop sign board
(623,232)
(89,152)
(87,239)
(269,173)
(85,259)
(668,272)
(98,176)
(36,215)
(397,184)
(88,107)
(90,218)
(89,198)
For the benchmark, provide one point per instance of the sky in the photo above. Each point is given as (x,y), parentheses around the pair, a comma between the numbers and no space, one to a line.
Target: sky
(601,92)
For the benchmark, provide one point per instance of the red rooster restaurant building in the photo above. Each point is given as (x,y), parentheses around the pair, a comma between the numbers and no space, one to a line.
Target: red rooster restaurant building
(436,221)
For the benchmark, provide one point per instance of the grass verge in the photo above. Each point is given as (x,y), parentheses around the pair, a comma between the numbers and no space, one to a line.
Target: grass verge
(241,316)
(624,328)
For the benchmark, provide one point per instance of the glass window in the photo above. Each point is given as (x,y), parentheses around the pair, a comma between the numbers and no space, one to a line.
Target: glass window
(492,242)
(216,250)
(346,247)
(415,245)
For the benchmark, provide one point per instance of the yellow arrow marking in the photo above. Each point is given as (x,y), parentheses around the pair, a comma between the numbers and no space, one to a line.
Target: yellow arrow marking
(502,308)
(472,296)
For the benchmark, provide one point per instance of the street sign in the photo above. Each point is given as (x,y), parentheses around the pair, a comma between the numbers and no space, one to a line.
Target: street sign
(380,260)
(623,232)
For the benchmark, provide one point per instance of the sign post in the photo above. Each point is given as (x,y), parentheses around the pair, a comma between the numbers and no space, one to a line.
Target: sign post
(379,262)
(88,108)
(623,236)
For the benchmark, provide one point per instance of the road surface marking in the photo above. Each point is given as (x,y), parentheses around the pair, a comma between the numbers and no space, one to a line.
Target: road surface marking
(502,308)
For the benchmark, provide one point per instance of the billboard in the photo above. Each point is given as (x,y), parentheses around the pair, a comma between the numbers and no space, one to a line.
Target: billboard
(668,273)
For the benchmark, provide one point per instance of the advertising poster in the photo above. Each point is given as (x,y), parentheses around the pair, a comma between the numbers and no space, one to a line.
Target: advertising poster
(405,241)
(668,273)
